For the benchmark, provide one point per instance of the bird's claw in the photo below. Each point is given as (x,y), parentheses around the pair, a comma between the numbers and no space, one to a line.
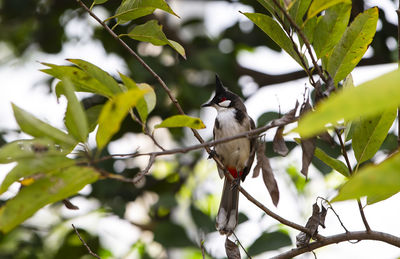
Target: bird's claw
(212,154)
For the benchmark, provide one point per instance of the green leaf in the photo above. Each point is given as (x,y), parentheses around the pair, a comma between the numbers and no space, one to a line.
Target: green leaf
(152,32)
(370,133)
(133,9)
(31,166)
(82,81)
(330,28)
(37,128)
(352,46)
(97,73)
(368,99)
(162,235)
(49,189)
(318,6)
(309,29)
(113,113)
(75,117)
(378,181)
(334,163)
(181,121)
(273,9)
(100,1)
(146,104)
(92,115)
(275,32)
(29,149)
(269,242)
(177,47)
(298,9)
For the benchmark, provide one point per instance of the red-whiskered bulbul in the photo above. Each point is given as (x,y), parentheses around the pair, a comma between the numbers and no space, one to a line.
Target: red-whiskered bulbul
(237,156)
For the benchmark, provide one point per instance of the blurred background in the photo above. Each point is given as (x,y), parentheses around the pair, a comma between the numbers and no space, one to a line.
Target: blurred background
(172,212)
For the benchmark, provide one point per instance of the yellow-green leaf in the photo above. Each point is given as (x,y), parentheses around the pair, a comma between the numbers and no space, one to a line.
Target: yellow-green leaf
(181,121)
(48,189)
(113,113)
(318,6)
(353,45)
(298,9)
(30,149)
(36,165)
(37,128)
(330,28)
(146,104)
(275,32)
(75,117)
(378,181)
(82,81)
(97,73)
(369,134)
(368,99)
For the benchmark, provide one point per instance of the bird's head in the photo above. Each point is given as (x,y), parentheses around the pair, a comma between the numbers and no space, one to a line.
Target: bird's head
(223,97)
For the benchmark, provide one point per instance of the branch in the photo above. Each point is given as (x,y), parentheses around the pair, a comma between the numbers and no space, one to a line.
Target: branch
(356,235)
(246,134)
(84,243)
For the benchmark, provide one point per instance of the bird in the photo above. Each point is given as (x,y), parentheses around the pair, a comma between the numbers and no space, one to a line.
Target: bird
(237,155)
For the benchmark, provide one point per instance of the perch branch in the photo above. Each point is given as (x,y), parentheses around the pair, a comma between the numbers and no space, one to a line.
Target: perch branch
(348,236)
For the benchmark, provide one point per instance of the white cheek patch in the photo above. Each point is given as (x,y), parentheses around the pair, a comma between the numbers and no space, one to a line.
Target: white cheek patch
(225,103)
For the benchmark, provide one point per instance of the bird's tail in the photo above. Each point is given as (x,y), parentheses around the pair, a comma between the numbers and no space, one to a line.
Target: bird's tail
(227,217)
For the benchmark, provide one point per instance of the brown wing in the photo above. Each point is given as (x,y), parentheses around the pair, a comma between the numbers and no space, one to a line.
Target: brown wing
(253,141)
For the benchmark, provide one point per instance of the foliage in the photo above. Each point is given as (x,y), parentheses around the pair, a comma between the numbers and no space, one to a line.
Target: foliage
(56,164)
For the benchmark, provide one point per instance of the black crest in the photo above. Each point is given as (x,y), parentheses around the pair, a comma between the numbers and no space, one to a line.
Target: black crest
(219,87)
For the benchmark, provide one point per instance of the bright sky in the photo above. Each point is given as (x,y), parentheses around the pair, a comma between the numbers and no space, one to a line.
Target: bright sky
(18,79)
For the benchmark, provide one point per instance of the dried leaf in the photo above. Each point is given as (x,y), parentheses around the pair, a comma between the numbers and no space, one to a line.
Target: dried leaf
(231,249)
(70,205)
(326,137)
(268,176)
(307,145)
(279,144)
(322,216)
(308,148)
(302,238)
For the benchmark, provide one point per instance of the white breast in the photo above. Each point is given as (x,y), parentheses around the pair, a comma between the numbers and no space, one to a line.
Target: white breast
(234,153)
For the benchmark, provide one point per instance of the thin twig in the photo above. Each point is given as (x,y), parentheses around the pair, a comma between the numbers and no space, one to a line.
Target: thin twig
(139,177)
(331,208)
(360,207)
(84,243)
(145,129)
(240,244)
(356,235)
